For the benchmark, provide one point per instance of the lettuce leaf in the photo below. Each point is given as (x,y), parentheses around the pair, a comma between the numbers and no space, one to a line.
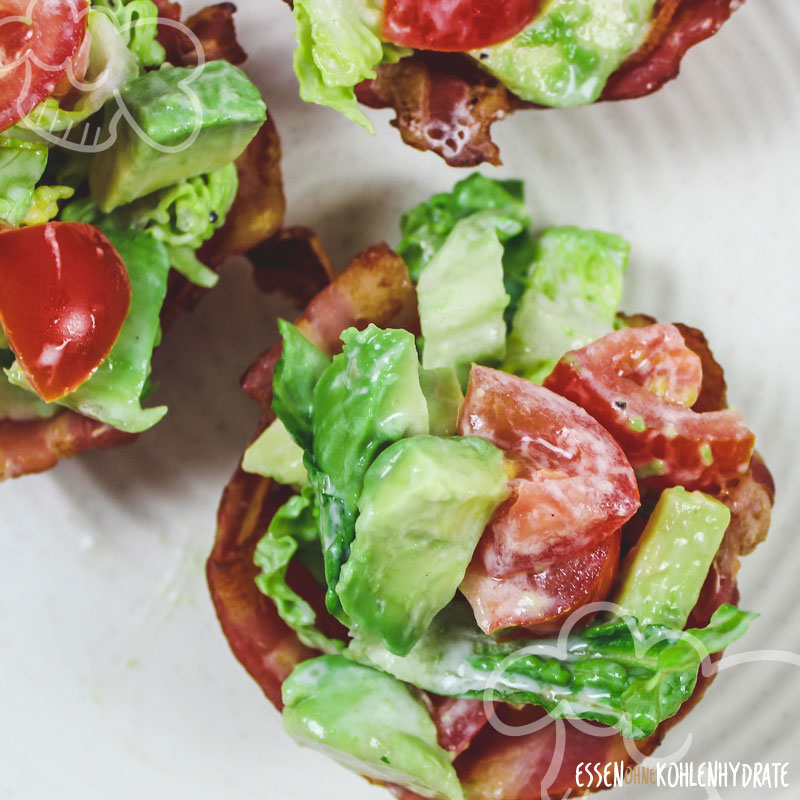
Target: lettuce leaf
(22,164)
(426,227)
(339,46)
(368,397)
(137,23)
(619,673)
(570,299)
(182,217)
(294,530)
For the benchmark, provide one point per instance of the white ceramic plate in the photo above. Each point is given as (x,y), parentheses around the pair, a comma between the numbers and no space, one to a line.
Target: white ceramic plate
(115,680)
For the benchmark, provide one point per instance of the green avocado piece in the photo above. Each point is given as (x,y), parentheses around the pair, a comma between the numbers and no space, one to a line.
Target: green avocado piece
(179,122)
(274,454)
(425,504)
(664,573)
(566,55)
(370,722)
(368,397)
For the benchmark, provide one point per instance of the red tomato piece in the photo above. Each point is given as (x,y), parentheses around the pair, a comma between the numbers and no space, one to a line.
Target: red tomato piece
(64,294)
(541,601)
(574,486)
(455,25)
(38,40)
(667,443)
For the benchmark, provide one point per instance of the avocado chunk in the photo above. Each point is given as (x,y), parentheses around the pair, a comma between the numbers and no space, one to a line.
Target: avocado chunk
(179,122)
(664,573)
(425,503)
(566,55)
(274,454)
(370,722)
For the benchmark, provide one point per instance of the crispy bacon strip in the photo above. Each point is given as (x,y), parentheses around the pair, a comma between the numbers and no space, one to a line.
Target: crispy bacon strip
(443,103)
(679,26)
(446,104)
(213,26)
(294,263)
(37,445)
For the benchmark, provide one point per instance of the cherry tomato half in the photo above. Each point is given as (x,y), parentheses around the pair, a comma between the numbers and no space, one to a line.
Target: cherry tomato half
(574,486)
(38,40)
(541,601)
(455,25)
(64,294)
(667,443)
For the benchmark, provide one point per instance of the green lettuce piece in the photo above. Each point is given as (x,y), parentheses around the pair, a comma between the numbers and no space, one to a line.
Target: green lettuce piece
(276,455)
(338,46)
(16,403)
(368,397)
(462,297)
(22,164)
(566,55)
(426,227)
(570,299)
(296,374)
(137,23)
(425,503)
(113,393)
(294,530)
(111,64)
(182,216)
(44,205)
(369,722)
(619,673)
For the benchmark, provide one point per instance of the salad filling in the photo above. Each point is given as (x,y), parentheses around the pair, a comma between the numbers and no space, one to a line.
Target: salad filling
(452,68)
(448,525)
(118,167)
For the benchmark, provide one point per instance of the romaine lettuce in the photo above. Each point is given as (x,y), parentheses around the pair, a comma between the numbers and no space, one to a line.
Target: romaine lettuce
(294,530)
(620,673)
(339,46)
(368,397)
(426,227)
(570,299)
(22,164)
(462,297)
(137,22)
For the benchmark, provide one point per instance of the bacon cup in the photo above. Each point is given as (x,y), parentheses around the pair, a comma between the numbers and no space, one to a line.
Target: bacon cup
(452,69)
(465,596)
(134,232)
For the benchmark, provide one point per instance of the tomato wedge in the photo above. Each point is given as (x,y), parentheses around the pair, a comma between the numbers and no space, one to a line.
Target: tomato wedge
(64,294)
(541,601)
(574,486)
(38,40)
(455,25)
(668,444)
